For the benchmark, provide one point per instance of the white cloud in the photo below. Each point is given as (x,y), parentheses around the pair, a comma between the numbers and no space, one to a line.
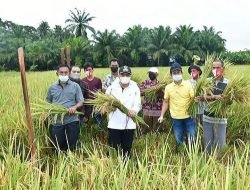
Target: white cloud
(229,16)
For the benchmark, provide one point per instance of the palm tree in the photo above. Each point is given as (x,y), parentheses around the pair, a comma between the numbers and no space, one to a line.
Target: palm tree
(160,42)
(58,33)
(79,22)
(185,40)
(133,43)
(210,41)
(79,49)
(43,29)
(106,45)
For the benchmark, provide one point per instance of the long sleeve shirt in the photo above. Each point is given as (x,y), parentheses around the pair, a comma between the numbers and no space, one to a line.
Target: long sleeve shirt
(130,97)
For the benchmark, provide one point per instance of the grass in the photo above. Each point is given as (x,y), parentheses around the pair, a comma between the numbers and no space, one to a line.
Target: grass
(154,165)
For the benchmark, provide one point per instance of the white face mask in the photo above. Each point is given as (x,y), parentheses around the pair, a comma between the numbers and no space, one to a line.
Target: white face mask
(214,72)
(75,76)
(63,79)
(177,78)
(124,80)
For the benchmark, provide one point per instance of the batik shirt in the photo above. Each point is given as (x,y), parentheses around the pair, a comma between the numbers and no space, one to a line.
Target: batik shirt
(151,108)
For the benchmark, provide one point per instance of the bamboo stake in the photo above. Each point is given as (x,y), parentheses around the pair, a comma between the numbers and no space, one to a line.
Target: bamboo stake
(62,56)
(26,101)
(68,56)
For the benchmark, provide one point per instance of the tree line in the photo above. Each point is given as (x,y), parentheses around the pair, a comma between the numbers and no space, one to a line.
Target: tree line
(138,46)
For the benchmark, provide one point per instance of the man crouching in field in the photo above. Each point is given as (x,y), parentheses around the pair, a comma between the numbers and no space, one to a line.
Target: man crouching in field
(68,94)
(121,127)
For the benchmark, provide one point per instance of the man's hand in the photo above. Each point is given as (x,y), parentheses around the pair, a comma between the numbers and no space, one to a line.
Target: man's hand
(131,113)
(218,97)
(160,119)
(72,110)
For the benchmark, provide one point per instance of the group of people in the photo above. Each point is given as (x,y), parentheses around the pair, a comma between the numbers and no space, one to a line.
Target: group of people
(71,91)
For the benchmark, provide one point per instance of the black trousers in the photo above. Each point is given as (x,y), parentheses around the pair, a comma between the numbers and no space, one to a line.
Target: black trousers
(121,140)
(65,136)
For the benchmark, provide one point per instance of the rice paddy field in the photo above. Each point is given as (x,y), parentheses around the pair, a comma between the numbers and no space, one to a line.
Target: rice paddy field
(155,164)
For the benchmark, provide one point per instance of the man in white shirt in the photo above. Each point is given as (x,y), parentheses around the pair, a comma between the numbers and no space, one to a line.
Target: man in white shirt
(121,127)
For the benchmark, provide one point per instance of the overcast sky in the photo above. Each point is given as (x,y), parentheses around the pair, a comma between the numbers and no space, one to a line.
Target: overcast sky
(232,17)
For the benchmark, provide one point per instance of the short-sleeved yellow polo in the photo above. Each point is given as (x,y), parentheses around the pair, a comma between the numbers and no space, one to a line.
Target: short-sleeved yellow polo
(180,97)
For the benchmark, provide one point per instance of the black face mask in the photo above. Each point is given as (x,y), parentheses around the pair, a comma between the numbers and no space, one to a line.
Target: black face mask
(152,76)
(114,69)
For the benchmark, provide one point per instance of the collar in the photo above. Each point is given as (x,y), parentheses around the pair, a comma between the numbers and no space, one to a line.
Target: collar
(68,82)
(216,81)
(181,84)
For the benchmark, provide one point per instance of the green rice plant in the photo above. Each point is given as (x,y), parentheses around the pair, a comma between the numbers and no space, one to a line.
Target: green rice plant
(104,103)
(44,110)
(239,123)
(237,90)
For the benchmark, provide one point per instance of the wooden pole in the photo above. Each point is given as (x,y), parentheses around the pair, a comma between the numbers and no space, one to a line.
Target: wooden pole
(62,56)
(26,101)
(68,55)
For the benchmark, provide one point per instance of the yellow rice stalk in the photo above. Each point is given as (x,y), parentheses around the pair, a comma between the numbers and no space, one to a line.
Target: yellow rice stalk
(44,110)
(203,85)
(105,103)
(237,90)
(152,93)
(137,79)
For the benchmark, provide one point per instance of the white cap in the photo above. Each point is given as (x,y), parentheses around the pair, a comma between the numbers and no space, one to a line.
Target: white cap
(153,70)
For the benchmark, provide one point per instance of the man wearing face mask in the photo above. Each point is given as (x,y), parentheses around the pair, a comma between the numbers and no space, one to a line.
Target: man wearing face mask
(92,84)
(68,94)
(151,110)
(121,127)
(177,97)
(110,78)
(215,128)
(195,72)
(75,76)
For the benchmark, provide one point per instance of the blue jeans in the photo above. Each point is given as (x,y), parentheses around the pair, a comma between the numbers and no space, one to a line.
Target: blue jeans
(183,127)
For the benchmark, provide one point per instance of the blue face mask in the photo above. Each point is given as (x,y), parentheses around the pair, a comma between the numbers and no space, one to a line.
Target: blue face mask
(177,78)
(63,79)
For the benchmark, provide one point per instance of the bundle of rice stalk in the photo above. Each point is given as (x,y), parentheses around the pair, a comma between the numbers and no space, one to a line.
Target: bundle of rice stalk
(105,103)
(44,110)
(203,85)
(237,90)
(151,94)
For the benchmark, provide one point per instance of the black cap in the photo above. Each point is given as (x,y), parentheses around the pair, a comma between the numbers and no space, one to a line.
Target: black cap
(175,66)
(125,69)
(194,66)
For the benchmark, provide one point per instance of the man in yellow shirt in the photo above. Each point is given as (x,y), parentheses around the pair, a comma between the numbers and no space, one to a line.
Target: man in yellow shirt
(177,98)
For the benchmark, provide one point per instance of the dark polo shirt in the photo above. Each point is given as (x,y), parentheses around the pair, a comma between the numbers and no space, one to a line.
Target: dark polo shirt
(68,95)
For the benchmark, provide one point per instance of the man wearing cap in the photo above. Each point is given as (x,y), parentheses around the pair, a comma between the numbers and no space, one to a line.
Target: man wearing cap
(110,78)
(177,97)
(195,72)
(151,110)
(121,127)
